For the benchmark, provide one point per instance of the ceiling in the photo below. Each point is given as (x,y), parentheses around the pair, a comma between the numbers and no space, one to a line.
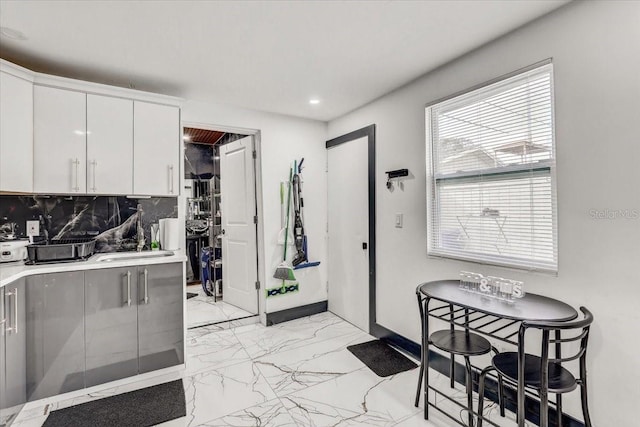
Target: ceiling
(265,55)
(202,136)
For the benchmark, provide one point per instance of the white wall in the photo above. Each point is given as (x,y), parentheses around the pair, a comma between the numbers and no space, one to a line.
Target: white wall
(596,55)
(283,139)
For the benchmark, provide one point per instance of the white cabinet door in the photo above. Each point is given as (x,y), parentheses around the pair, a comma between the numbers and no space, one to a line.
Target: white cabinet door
(59,141)
(16,134)
(109,145)
(156,149)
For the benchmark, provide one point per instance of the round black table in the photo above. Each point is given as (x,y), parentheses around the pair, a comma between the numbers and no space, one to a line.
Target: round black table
(531,307)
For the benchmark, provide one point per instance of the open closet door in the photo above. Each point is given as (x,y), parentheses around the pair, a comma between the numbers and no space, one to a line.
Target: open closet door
(238,208)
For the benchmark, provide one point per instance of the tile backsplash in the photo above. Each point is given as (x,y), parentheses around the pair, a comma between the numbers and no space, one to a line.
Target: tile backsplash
(111,220)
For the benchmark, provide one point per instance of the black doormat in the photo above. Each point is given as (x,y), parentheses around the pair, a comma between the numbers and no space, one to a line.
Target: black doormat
(191,295)
(145,407)
(381,358)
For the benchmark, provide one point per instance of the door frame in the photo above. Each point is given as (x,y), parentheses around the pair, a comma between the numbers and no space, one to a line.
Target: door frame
(260,257)
(370,133)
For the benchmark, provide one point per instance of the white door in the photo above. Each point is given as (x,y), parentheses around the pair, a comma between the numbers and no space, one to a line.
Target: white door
(348,227)
(109,145)
(156,149)
(59,141)
(238,207)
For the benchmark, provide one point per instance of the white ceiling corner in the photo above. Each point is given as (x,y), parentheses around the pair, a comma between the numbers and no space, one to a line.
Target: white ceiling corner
(265,55)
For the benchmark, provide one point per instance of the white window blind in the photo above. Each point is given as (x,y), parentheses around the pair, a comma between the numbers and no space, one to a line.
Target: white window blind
(492,173)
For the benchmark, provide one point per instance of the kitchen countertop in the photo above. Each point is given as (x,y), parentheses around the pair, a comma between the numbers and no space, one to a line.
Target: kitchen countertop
(12,271)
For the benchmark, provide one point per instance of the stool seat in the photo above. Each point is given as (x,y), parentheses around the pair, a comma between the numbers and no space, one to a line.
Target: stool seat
(560,380)
(460,342)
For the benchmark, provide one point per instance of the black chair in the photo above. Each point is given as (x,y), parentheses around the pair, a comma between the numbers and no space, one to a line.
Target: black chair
(542,374)
(458,343)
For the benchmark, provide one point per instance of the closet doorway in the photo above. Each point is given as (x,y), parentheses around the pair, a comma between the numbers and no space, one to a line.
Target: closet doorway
(221,226)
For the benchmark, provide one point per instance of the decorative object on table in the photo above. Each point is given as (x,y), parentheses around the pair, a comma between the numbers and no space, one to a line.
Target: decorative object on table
(145,407)
(381,358)
(491,286)
(559,379)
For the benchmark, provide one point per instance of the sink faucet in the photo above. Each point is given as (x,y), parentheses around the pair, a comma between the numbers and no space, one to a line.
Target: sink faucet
(43,227)
(140,230)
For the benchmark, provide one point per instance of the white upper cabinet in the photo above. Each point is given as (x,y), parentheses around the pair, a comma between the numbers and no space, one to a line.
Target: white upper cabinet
(64,136)
(109,145)
(16,134)
(59,141)
(156,149)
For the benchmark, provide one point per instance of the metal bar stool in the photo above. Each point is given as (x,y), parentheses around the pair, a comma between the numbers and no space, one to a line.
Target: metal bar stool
(542,374)
(456,343)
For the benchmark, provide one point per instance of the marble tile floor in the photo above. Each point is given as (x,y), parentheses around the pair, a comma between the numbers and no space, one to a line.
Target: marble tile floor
(202,310)
(297,373)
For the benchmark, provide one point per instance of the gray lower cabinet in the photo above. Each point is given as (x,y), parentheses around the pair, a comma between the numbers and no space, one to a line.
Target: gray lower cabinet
(62,332)
(13,382)
(111,324)
(55,334)
(160,316)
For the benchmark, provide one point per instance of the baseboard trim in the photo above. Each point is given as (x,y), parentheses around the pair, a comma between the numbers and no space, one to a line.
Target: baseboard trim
(296,312)
(441,364)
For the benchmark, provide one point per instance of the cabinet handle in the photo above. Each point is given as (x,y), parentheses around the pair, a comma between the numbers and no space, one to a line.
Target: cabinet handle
(128,288)
(76,162)
(146,286)
(95,165)
(3,319)
(170,179)
(14,325)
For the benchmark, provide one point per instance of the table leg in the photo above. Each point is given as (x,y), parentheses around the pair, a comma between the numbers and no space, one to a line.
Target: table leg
(520,416)
(469,389)
(425,356)
(417,402)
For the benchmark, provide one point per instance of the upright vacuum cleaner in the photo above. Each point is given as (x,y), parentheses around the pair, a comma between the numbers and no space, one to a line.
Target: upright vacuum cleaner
(301,259)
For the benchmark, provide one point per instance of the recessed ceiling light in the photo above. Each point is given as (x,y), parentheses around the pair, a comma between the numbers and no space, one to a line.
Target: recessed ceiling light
(186,138)
(10,33)
(314,101)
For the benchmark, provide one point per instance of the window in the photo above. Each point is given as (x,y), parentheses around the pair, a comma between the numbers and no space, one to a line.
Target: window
(491,182)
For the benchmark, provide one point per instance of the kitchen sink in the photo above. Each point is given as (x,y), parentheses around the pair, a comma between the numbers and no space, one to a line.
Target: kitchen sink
(133,255)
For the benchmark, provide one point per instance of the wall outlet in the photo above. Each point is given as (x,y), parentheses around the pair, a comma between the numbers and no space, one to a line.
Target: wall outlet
(33,228)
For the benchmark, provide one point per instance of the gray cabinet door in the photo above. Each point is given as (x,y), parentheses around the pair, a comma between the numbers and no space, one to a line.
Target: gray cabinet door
(111,324)
(13,380)
(15,337)
(3,364)
(160,316)
(55,334)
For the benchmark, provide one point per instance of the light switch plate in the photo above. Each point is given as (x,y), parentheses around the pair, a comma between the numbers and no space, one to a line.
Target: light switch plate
(33,228)
(399,220)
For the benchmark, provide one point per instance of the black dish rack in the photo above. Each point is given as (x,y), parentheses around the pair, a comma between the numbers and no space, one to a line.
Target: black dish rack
(60,250)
